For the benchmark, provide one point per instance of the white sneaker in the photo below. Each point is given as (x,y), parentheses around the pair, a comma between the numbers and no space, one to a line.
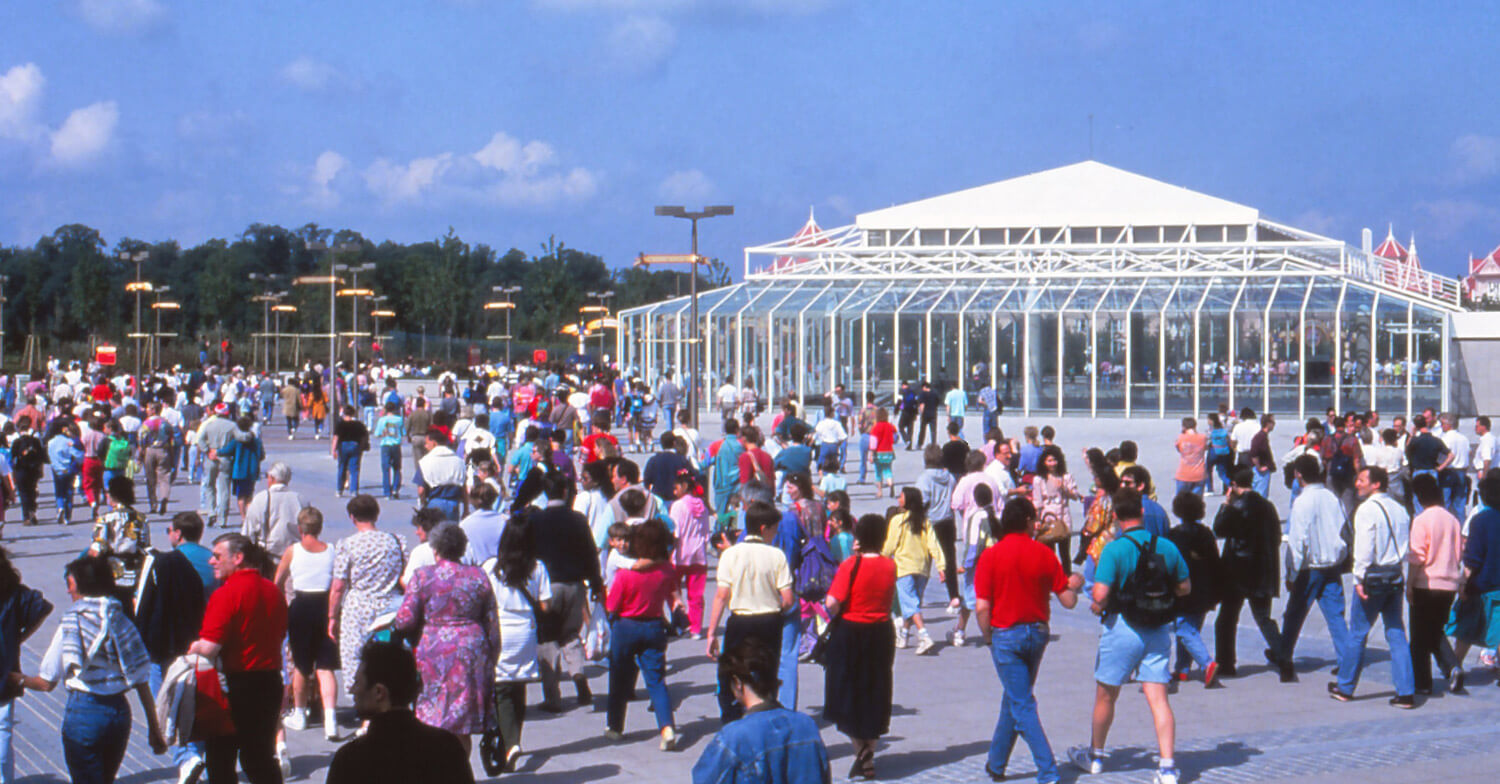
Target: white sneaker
(1167,775)
(190,771)
(1086,760)
(669,740)
(285,760)
(957,638)
(295,720)
(924,644)
(900,637)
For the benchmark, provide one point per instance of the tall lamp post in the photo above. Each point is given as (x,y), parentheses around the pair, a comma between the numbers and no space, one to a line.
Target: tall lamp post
(158,306)
(265,298)
(507,306)
(278,310)
(332,279)
(139,287)
(603,312)
(711,211)
(376,315)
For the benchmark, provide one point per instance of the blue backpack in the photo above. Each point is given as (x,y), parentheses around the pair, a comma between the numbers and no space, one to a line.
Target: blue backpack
(816,570)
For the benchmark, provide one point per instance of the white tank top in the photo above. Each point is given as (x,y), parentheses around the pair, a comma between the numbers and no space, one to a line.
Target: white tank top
(311,572)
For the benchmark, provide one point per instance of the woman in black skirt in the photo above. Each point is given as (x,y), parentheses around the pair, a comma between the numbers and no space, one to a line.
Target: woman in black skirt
(862,645)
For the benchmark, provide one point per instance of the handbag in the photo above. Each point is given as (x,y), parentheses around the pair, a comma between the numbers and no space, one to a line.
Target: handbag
(1053,529)
(548,624)
(1384,578)
(819,653)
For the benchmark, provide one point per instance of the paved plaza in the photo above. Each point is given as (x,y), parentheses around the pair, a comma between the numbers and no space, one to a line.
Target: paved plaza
(1253,729)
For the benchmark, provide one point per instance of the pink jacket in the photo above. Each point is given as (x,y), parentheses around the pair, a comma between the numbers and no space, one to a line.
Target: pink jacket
(1437,548)
(693,525)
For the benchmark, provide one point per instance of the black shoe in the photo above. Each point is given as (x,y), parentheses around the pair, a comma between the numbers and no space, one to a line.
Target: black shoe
(1288,675)
(1456,683)
(1227,671)
(1333,691)
(1425,691)
(993,775)
(585,694)
(1405,703)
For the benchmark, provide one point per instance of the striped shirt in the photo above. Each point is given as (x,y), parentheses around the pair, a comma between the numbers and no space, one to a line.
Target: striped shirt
(97,649)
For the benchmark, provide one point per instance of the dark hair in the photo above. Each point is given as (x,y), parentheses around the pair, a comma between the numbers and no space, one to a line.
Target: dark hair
(1425,488)
(1140,476)
(1213,420)
(752,663)
(1127,504)
(974,461)
(803,483)
(628,470)
(1048,433)
(1129,451)
(484,495)
(122,489)
(869,532)
(1051,450)
(633,501)
(1188,506)
(1244,479)
(916,509)
(92,574)
(1016,518)
(392,665)
(448,542)
(759,516)
(955,427)
(1489,488)
(1378,477)
(983,495)
(189,524)
(363,508)
(517,558)
(932,456)
(651,540)
(1308,468)
(428,519)
(1104,474)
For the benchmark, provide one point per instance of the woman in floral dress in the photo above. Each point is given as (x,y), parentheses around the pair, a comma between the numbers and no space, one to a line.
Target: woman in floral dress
(452,609)
(366,574)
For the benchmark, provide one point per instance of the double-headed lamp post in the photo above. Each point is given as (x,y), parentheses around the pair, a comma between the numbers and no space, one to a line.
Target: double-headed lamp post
(332,279)
(603,311)
(278,310)
(507,306)
(265,297)
(154,346)
(139,287)
(711,211)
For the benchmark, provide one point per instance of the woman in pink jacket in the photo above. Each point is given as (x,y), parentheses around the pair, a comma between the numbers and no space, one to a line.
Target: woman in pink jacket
(692,525)
(1436,555)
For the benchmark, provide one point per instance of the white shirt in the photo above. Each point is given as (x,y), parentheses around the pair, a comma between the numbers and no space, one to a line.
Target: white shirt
(1486,451)
(1242,433)
(1382,456)
(1459,445)
(1312,538)
(1375,542)
(829,431)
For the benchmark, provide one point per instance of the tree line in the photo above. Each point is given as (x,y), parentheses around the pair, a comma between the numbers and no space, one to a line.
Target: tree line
(71,285)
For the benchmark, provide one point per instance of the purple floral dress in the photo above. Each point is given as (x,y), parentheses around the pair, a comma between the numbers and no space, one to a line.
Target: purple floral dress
(453,609)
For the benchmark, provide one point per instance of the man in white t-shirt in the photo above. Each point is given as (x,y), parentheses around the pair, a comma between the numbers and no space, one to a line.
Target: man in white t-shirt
(1454,477)
(1484,455)
(1240,436)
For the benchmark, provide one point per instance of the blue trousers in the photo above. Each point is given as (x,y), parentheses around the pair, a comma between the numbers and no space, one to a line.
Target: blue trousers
(180,754)
(390,468)
(95,730)
(62,488)
(1190,647)
(348,476)
(638,645)
(791,633)
(1326,587)
(1387,606)
(1017,652)
(1261,483)
(864,456)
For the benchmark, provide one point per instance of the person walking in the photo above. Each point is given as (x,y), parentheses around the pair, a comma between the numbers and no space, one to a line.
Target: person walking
(1251,573)
(638,637)
(936,486)
(66,460)
(307,568)
(1436,572)
(451,610)
(857,687)
(1315,558)
(1196,543)
(1014,580)
(22,611)
(883,451)
(1382,531)
(271,517)
(523,594)
(1137,574)
(291,408)
(692,524)
(245,453)
(214,436)
(566,545)
(910,542)
(390,429)
(156,437)
(98,653)
(367,569)
(27,456)
(755,586)
(350,440)
(1053,490)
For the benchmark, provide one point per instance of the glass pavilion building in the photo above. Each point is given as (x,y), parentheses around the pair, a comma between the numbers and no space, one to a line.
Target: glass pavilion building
(1084,289)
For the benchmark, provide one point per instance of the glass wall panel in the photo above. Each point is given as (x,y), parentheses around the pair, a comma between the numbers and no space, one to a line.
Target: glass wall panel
(1109,323)
(1286,351)
(1392,328)
(1250,364)
(1214,330)
(1427,391)
(1320,346)
(1178,336)
(1145,347)
(1354,367)
(1078,356)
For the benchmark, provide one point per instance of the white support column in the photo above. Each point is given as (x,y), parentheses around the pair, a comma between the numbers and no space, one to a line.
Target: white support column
(1445,388)
(1129,360)
(1374,351)
(1161,348)
(1026,362)
(1093,366)
(1233,343)
(1265,348)
(1208,287)
(1338,350)
(1411,347)
(1302,353)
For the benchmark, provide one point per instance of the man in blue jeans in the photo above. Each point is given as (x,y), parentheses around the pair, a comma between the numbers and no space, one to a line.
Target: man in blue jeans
(391,430)
(1012,583)
(1132,640)
(1315,555)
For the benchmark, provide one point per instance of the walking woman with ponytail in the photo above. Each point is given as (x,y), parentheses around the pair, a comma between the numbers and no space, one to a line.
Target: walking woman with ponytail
(911,543)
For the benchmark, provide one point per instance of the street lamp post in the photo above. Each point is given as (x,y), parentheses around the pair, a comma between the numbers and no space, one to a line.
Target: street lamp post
(332,279)
(278,310)
(138,286)
(376,315)
(711,211)
(603,314)
(158,306)
(265,297)
(507,306)
(354,292)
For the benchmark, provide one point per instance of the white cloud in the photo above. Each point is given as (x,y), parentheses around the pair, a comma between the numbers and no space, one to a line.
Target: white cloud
(85,134)
(508,155)
(687,185)
(20,96)
(640,43)
(315,76)
(1447,216)
(577,184)
(395,182)
(1476,157)
(121,16)
(325,170)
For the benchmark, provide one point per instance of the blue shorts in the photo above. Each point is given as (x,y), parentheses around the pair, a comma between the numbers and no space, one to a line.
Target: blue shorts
(909,590)
(1123,650)
(966,585)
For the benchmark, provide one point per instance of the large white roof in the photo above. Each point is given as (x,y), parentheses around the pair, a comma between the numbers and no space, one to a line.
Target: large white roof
(1083,194)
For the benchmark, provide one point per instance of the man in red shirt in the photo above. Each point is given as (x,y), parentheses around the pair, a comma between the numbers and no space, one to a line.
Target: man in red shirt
(592,449)
(755,464)
(243,627)
(1013,582)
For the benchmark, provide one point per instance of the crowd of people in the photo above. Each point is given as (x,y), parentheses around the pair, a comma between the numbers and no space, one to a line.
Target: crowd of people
(566,519)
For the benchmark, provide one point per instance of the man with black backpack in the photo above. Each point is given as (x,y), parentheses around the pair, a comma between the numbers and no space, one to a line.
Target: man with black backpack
(1136,586)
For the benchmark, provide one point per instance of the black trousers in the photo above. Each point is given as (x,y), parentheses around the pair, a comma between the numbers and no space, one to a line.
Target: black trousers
(1429,613)
(1064,549)
(255,706)
(904,425)
(927,430)
(946,532)
(765,627)
(1227,624)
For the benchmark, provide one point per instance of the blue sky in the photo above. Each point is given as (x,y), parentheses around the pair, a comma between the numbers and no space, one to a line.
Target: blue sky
(513,120)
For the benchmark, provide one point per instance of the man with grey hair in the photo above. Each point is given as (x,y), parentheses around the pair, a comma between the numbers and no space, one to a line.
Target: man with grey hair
(271,517)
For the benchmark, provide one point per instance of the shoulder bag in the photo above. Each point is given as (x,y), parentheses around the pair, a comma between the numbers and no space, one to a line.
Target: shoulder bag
(1384,578)
(819,653)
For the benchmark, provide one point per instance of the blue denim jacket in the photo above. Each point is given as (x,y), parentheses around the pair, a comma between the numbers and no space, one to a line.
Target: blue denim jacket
(770,745)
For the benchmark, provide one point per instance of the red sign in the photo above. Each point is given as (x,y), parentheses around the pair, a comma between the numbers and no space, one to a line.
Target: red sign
(539,357)
(104,355)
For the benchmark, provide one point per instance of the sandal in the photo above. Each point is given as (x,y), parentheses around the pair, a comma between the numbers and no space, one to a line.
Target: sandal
(864,765)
